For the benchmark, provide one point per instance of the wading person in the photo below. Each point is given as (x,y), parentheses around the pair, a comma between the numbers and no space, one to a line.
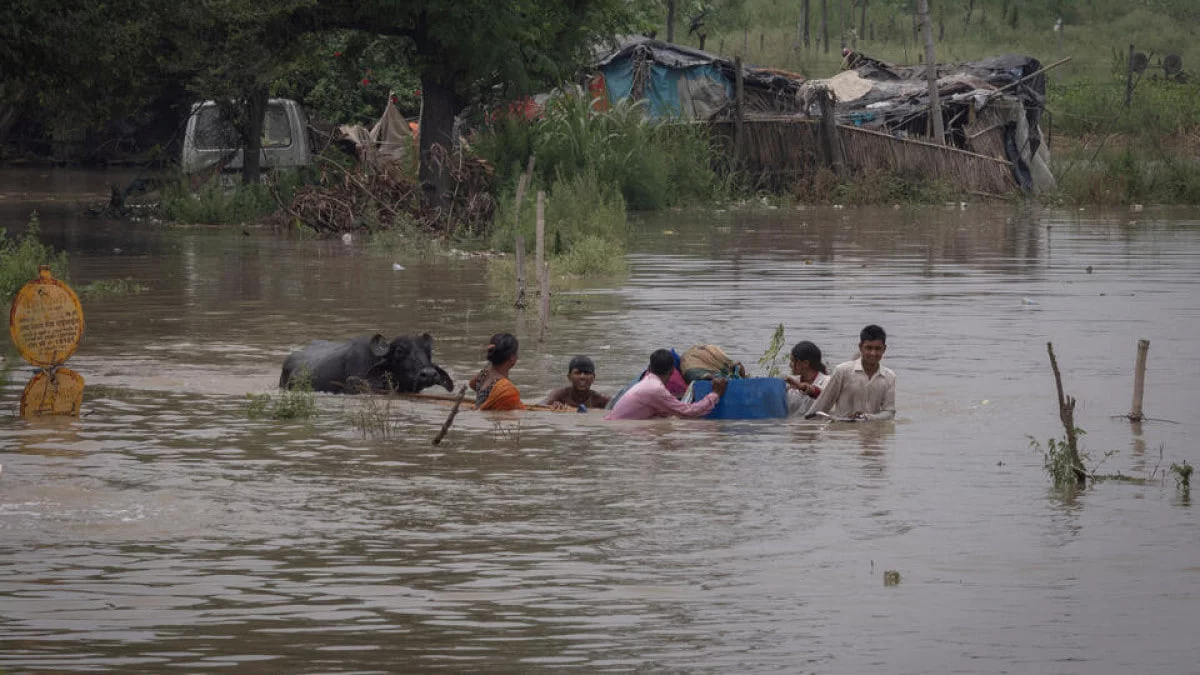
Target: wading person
(493,389)
(581,373)
(650,398)
(862,389)
(809,376)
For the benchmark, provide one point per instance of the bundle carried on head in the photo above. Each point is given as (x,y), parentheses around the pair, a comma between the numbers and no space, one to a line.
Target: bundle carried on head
(704,362)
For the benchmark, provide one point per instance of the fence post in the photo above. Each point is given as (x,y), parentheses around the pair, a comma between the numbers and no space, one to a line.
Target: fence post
(1129,78)
(540,262)
(739,119)
(831,139)
(1139,381)
(520,248)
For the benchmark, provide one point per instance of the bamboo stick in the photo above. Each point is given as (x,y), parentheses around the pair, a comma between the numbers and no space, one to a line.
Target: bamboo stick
(462,392)
(542,269)
(520,250)
(1139,381)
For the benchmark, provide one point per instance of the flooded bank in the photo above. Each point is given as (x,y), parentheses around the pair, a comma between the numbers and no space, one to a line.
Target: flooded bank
(165,529)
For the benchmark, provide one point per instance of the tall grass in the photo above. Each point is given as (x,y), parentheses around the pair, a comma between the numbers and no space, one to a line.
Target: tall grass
(21,257)
(653,164)
(1123,176)
(215,204)
(586,228)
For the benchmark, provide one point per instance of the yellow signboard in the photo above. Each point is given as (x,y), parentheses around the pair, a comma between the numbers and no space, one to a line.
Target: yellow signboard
(46,320)
(46,324)
(53,392)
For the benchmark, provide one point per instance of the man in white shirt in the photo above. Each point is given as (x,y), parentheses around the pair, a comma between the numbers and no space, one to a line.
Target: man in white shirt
(861,389)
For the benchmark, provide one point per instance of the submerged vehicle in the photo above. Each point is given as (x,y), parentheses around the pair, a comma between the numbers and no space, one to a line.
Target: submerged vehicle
(210,139)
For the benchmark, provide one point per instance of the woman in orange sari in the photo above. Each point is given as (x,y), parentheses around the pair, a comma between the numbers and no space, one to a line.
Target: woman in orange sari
(493,389)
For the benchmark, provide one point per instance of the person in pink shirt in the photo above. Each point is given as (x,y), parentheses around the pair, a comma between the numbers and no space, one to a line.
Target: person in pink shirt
(650,398)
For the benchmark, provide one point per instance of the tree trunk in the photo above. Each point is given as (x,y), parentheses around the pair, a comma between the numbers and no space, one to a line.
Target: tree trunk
(671,20)
(862,20)
(935,104)
(825,24)
(807,24)
(970,11)
(256,115)
(439,106)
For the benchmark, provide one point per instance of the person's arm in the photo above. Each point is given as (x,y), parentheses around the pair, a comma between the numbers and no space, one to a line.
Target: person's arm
(888,411)
(600,400)
(663,402)
(829,395)
(556,396)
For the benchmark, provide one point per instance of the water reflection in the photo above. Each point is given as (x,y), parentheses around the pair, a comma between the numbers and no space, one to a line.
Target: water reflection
(164,529)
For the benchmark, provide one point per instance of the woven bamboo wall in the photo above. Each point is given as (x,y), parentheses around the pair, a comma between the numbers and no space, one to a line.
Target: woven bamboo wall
(777,151)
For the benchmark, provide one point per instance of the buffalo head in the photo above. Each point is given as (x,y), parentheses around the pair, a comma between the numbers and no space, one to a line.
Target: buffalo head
(406,364)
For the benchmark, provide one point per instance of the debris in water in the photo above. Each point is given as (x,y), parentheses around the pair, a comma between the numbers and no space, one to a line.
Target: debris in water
(347,238)
(397,267)
(1089,269)
(1028,301)
(668,232)
(891,578)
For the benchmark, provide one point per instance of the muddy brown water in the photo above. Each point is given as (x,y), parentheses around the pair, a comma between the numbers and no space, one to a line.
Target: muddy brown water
(167,531)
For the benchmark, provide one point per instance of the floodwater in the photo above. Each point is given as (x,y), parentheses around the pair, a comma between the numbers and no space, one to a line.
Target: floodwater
(164,530)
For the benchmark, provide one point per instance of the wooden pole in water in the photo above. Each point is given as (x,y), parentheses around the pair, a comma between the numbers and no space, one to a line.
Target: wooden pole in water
(462,391)
(522,185)
(520,248)
(540,261)
(1066,414)
(1139,381)
(739,112)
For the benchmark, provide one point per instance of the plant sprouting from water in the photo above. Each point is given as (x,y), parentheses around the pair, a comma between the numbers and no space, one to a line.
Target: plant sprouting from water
(1059,462)
(1183,476)
(373,416)
(297,402)
(772,358)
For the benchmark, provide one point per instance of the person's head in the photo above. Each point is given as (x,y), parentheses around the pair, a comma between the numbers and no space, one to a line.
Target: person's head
(581,373)
(502,350)
(872,343)
(662,363)
(807,355)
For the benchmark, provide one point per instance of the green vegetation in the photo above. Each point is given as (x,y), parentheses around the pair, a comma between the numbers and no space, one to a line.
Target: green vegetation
(216,204)
(372,415)
(652,164)
(297,402)
(20,259)
(774,356)
(1183,475)
(1058,462)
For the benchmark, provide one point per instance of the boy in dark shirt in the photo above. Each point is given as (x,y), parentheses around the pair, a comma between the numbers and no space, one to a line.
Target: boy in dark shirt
(581,373)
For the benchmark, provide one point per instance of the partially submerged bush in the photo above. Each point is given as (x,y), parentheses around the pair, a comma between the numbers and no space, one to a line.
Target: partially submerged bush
(20,259)
(216,204)
(294,403)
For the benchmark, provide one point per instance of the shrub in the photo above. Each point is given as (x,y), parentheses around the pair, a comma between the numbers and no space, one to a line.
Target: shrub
(592,256)
(215,204)
(295,402)
(20,259)
(653,163)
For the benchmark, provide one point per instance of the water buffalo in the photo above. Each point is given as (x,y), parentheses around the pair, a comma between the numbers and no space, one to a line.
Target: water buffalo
(367,364)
